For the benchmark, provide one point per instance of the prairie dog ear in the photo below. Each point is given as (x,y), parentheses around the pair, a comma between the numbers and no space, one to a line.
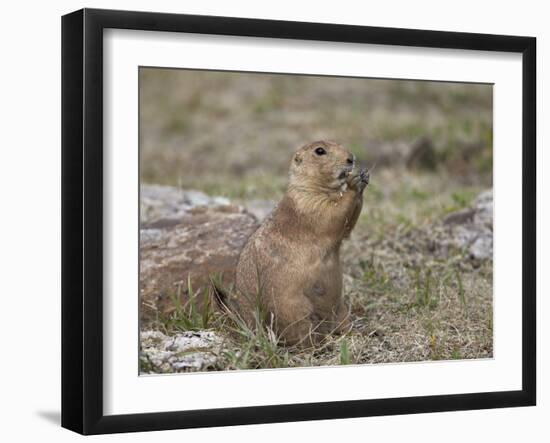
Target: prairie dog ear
(297,158)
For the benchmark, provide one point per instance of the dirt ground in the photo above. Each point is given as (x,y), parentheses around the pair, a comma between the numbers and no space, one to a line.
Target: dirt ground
(429,145)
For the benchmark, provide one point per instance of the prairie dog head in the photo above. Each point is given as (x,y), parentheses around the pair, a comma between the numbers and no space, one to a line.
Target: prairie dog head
(322,166)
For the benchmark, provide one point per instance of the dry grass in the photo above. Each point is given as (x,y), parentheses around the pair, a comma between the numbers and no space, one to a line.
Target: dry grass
(232,135)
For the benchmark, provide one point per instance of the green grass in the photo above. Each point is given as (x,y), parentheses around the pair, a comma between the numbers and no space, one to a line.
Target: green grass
(190,316)
(425,293)
(461,292)
(375,276)
(344,353)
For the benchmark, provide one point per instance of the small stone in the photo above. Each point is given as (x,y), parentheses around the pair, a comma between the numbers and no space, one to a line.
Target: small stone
(472,228)
(182,352)
(460,217)
(482,247)
(150,235)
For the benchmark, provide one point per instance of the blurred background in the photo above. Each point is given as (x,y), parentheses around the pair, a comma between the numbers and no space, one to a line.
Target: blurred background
(233,133)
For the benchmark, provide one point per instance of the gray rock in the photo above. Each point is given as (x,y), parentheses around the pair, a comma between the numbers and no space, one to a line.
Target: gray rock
(183,352)
(165,202)
(460,217)
(483,206)
(150,235)
(260,208)
(482,247)
(472,228)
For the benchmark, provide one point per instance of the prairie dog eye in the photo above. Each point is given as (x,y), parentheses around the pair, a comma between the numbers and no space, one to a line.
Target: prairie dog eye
(320,151)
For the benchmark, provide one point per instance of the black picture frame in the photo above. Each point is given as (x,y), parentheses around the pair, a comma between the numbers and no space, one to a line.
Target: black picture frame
(82,220)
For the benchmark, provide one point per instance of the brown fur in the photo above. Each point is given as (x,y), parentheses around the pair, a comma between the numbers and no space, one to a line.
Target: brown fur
(291,264)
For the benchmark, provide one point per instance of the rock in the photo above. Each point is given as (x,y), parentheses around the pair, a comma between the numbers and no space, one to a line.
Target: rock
(186,237)
(484,209)
(202,244)
(165,202)
(460,217)
(260,208)
(150,235)
(472,228)
(182,352)
(482,247)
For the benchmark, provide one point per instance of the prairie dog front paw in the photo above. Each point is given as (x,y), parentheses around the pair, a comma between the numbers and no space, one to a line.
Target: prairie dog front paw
(359,179)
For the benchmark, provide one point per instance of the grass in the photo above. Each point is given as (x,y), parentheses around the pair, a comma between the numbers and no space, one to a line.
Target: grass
(190,316)
(344,352)
(406,305)
(425,296)
(233,135)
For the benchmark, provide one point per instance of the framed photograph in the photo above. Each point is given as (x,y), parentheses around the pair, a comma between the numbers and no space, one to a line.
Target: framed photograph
(268,221)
